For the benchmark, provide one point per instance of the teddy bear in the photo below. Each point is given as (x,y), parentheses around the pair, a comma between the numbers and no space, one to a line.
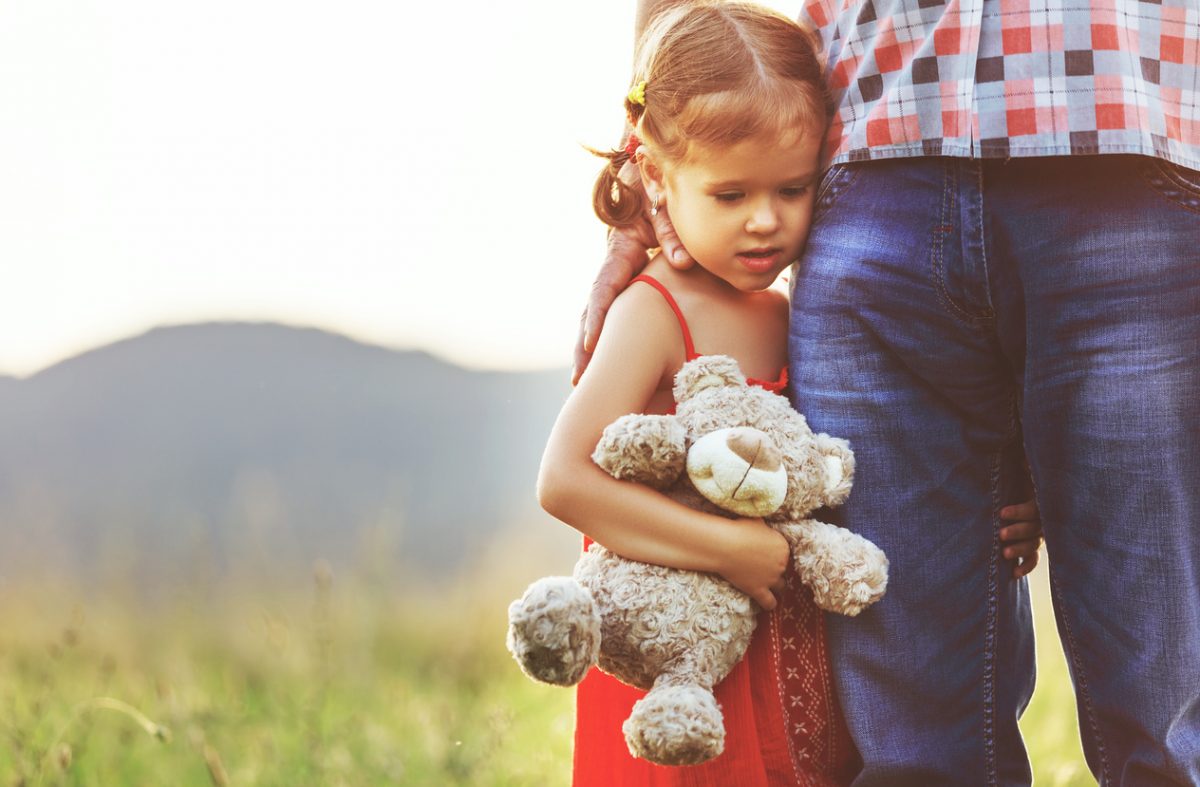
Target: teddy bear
(733,449)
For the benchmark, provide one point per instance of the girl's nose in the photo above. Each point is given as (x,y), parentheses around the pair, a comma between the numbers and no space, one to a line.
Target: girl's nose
(764,218)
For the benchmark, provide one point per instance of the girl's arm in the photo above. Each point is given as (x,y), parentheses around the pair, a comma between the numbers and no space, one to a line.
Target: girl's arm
(641,345)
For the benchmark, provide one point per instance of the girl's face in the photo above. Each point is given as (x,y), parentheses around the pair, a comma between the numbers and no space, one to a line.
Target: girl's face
(742,211)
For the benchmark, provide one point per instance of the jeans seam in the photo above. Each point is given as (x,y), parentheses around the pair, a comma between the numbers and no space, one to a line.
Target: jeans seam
(940,232)
(987,279)
(989,650)
(1085,696)
(1160,180)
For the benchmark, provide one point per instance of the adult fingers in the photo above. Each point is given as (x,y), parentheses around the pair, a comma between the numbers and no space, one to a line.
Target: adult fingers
(625,256)
(669,241)
(581,356)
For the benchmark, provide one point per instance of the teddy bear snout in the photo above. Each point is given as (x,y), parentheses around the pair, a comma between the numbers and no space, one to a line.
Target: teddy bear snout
(740,470)
(755,448)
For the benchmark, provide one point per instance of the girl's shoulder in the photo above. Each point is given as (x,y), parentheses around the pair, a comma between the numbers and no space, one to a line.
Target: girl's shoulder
(642,321)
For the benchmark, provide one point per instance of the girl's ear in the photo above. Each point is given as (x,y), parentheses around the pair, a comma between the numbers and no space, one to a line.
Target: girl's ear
(652,175)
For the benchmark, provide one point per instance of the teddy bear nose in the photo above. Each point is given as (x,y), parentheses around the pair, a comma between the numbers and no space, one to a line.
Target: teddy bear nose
(755,449)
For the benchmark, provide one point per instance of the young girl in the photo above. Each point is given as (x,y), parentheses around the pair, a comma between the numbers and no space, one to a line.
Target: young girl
(728,112)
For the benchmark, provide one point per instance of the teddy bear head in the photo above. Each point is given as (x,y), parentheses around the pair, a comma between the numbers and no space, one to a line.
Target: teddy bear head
(750,452)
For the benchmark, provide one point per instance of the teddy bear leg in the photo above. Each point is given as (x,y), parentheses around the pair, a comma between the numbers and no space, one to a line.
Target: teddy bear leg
(846,572)
(554,631)
(675,725)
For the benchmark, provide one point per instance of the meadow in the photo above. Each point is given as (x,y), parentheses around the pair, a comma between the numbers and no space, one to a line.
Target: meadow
(339,681)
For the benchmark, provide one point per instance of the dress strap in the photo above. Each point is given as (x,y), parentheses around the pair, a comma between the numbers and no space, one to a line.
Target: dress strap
(683,326)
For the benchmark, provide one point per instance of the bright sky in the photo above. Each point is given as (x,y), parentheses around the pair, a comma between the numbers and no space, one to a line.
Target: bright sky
(406,173)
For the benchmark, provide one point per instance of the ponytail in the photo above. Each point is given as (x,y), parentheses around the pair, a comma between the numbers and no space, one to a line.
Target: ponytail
(616,203)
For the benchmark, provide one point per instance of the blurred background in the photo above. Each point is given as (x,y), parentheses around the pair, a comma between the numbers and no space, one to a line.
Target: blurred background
(287,302)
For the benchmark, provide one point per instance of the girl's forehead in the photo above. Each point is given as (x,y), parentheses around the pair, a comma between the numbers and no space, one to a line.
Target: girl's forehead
(761,154)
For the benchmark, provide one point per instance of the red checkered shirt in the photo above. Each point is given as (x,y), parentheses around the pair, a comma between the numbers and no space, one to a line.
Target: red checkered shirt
(1000,78)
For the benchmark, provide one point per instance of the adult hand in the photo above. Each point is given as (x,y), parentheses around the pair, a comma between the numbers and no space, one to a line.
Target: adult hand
(625,257)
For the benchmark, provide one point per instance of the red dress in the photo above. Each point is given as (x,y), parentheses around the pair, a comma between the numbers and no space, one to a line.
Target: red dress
(782,722)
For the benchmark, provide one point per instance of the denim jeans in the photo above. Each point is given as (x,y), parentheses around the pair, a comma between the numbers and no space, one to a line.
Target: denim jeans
(968,324)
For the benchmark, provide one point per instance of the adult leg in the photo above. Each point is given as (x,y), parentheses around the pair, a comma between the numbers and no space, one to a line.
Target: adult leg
(1098,281)
(894,347)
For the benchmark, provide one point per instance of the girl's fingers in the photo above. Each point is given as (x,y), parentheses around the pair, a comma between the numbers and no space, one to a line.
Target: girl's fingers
(1024,555)
(1025,566)
(1026,510)
(1020,550)
(1021,531)
(1022,537)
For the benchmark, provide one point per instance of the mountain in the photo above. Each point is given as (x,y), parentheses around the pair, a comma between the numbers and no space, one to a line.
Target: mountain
(207,448)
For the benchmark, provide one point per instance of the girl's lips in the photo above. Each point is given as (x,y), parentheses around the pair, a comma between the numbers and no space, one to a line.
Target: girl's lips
(760,260)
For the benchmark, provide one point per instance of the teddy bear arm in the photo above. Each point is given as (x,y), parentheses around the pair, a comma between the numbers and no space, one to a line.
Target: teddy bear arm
(846,572)
(647,449)
(839,468)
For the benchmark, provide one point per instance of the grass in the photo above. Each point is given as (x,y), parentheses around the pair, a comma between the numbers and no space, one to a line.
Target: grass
(342,683)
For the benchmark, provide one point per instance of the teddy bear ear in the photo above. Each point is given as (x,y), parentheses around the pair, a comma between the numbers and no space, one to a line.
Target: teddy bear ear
(707,371)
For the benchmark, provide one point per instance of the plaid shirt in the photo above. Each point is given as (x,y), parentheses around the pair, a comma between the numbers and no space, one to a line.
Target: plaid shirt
(1000,78)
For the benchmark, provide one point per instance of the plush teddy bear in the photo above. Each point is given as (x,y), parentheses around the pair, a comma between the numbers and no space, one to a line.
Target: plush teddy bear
(677,633)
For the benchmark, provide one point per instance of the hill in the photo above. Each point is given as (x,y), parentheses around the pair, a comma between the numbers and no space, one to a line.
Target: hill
(207,448)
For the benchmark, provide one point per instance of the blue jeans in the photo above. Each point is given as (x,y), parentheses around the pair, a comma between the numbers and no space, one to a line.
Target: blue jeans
(956,319)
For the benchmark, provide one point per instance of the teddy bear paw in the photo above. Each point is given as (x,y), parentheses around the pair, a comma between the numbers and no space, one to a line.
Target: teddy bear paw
(846,572)
(676,725)
(554,631)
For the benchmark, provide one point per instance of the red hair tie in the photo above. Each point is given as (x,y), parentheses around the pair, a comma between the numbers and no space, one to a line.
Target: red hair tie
(631,147)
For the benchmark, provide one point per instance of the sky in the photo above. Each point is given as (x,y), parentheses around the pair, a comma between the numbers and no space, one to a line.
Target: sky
(410,175)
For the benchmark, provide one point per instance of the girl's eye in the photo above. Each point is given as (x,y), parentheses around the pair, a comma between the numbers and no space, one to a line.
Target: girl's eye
(794,191)
(728,196)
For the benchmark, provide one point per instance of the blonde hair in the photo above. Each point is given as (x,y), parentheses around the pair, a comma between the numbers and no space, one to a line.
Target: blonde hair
(716,73)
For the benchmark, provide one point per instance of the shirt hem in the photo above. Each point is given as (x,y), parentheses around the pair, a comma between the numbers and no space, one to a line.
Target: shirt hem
(919,150)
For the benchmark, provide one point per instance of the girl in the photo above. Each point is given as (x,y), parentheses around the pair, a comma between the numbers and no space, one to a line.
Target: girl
(730,109)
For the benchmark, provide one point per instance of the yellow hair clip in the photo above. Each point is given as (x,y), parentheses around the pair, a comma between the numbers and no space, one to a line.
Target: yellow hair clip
(637,95)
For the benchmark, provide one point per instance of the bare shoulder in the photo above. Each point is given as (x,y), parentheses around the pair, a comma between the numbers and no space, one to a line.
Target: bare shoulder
(640,329)
(642,311)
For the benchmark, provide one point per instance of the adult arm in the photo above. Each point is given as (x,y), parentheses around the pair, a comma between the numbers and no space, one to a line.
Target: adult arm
(626,252)
(632,520)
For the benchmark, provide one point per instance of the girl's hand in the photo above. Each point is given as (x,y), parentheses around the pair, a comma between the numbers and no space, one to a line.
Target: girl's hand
(1022,538)
(624,259)
(756,560)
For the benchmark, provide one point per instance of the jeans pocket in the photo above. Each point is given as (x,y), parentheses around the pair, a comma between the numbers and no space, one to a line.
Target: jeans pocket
(833,183)
(1176,183)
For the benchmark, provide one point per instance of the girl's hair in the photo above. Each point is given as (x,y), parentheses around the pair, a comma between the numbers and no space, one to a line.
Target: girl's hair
(716,73)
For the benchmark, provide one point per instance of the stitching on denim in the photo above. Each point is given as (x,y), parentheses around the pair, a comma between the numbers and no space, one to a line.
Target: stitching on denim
(989,638)
(990,313)
(1081,683)
(827,180)
(837,184)
(1175,174)
(939,240)
(1172,189)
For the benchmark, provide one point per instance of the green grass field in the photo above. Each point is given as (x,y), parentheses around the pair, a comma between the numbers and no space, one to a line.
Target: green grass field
(338,684)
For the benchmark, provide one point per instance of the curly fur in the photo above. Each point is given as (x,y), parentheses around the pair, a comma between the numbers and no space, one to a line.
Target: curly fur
(648,449)
(554,631)
(678,633)
(678,723)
